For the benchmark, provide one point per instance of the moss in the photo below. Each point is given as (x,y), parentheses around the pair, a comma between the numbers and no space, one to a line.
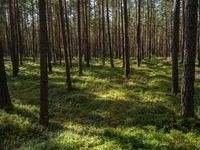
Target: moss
(104,111)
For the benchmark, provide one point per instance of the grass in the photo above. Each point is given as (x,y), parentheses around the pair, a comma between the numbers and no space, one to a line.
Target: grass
(104,111)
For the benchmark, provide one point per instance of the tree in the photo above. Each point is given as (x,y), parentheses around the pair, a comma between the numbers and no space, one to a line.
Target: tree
(33,31)
(79,38)
(14,55)
(109,36)
(187,95)
(126,38)
(150,28)
(183,20)
(198,44)
(175,46)
(48,9)
(139,34)
(44,46)
(4,94)
(103,33)
(87,24)
(67,67)
(68,37)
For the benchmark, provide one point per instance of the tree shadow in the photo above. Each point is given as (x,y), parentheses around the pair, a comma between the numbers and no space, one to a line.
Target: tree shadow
(84,107)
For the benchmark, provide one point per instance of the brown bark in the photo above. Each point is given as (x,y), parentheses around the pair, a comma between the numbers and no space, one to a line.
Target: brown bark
(175,46)
(189,59)
(109,36)
(67,67)
(139,35)
(44,46)
(79,39)
(4,94)
(14,55)
(126,54)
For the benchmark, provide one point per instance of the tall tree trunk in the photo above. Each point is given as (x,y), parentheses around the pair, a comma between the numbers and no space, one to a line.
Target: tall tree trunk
(33,32)
(67,67)
(150,32)
(175,46)
(4,94)
(198,44)
(99,30)
(44,46)
(183,20)
(122,28)
(126,54)
(79,39)
(166,31)
(189,58)
(68,35)
(20,34)
(139,35)
(109,36)
(87,32)
(103,33)
(49,37)
(14,55)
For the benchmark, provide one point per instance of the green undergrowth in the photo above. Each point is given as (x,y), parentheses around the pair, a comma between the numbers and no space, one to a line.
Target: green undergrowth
(104,111)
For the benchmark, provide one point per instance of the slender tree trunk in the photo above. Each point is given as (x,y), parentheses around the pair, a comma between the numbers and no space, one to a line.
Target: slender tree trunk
(189,59)
(139,35)
(44,115)
(87,33)
(14,55)
(109,36)
(126,54)
(20,33)
(67,67)
(183,19)
(103,33)
(68,36)
(166,31)
(198,45)
(49,37)
(150,32)
(99,30)
(33,32)
(175,47)
(4,94)
(79,39)
(122,20)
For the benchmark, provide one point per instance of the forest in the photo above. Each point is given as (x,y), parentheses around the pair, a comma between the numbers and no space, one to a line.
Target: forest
(99,74)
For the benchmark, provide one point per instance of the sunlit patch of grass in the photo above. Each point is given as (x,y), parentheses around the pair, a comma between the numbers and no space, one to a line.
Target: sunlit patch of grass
(104,110)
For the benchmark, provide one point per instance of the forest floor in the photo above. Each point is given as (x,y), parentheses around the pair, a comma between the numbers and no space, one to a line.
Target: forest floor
(104,111)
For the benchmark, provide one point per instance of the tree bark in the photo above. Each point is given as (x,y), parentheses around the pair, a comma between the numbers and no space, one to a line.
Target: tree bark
(67,67)
(109,36)
(139,35)
(4,94)
(44,46)
(79,40)
(103,33)
(175,46)
(126,54)
(14,55)
(189,59)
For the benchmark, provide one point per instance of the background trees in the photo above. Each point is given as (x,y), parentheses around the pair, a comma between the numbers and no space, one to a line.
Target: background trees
(86,30)
(95,47)
(150,29)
